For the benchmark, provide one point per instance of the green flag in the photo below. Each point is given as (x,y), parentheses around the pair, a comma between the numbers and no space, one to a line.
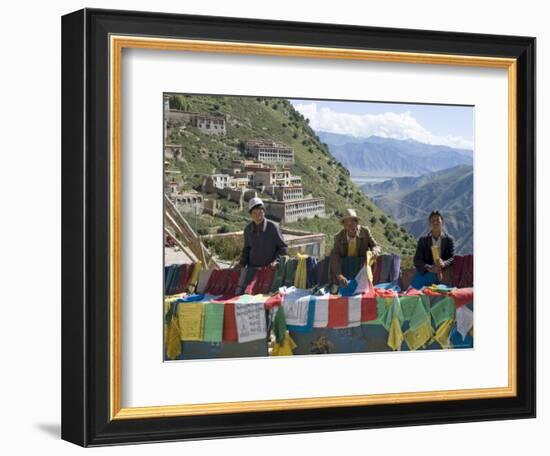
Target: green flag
(408,305)
(213,322)
(279,325)
(443,310)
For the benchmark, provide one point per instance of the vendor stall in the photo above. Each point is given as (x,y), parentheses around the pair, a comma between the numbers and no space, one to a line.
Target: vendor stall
(287,311)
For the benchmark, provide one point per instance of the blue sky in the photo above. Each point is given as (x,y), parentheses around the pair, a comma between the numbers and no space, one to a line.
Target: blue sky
(433,124)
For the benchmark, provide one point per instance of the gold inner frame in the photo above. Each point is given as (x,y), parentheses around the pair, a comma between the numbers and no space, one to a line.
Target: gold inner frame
(117,44)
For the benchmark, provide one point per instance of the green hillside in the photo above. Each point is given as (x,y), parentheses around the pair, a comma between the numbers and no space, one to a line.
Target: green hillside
(276,119)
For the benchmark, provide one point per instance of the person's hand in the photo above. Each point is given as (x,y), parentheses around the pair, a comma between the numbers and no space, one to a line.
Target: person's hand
(342,280)
(441,263)
(376,251)
(274,264)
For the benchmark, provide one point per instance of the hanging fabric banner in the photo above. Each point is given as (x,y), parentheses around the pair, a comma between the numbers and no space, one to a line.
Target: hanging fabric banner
(251,321)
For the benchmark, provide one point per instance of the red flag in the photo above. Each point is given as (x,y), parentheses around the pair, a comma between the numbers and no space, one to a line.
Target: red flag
(368,307)
(229,323)
(429,292)
(261,282)
(338,312)
(462,296)
(231,282)
(213,281)
(413,292)
(274,301)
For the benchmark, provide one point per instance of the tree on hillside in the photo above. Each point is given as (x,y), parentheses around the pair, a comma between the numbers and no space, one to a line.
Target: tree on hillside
(178,102)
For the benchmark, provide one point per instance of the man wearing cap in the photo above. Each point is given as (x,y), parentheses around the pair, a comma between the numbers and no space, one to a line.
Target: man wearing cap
(263,242)
(353,240)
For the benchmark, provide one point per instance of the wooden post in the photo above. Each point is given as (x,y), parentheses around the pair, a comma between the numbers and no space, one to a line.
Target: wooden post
(174,218)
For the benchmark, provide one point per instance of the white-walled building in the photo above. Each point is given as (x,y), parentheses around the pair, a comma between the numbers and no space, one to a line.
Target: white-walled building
(269,151)
(210,124)
(272,177)
(292,211)
(289,193)
(220,180)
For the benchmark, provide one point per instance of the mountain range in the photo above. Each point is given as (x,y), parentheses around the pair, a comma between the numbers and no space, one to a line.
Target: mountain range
(409,200)
(387,157)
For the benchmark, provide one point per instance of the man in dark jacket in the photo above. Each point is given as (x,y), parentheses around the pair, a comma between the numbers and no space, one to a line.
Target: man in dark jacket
(353,240)
(434,252)
(263,242)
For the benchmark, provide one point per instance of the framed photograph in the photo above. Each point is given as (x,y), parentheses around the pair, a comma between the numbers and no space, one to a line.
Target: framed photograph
(277,227)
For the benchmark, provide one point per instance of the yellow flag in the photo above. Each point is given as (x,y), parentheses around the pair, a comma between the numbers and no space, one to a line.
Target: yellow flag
(420,336)
(395,335)
(284,349)
(167,304)
(191,320)
(173,341)
(300,279)
(168,300)
(442,334)
(195,276)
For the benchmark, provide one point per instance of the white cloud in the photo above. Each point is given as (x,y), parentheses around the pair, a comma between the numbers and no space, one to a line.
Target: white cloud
(387,125)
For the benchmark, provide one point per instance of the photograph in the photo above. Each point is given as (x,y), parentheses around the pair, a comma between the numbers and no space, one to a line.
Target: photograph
(269,226)
(315,226)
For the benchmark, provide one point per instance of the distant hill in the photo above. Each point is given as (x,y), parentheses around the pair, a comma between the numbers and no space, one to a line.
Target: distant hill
(275,119)
(409,200)
(376,156)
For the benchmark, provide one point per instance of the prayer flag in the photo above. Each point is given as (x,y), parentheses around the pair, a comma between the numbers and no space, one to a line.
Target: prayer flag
(368,307)
(338,312)
(321,311)
(229,323)
(300,279)
(173,340)
(284,349)
(354,310)
(213,322)
(296,305)
(251,324)
(420,336)
(442,334)
(190,316)
(443,310)
(395,335)
(464,321)
(279,324)
(462,296)
(204,276)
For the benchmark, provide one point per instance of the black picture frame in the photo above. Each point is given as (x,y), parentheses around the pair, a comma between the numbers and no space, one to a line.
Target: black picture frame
(86,415)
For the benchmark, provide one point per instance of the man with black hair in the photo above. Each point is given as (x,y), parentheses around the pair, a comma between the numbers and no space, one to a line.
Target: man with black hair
(434,252)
